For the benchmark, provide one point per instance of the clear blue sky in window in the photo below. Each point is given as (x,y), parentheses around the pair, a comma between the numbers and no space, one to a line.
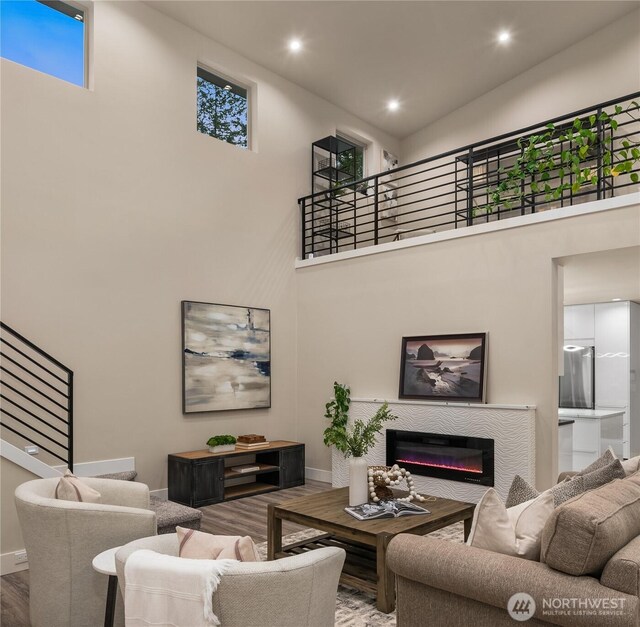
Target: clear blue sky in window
(42,38)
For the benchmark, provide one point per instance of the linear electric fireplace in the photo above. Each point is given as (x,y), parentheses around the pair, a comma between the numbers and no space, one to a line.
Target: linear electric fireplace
(453,457)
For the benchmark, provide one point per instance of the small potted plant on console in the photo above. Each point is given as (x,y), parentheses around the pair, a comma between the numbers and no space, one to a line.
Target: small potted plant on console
(221,443)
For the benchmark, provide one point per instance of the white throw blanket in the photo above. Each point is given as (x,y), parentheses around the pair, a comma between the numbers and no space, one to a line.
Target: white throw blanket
(163,590)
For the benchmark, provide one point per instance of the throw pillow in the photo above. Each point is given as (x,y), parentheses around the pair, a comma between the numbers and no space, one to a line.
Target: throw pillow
(561,492)
(519,492)
(70,488)
(631,465)
(515,531)
(604,460)
(199,545)
(567,489)
(603,475)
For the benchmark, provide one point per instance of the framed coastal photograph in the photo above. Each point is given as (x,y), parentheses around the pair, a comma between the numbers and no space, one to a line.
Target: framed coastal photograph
(226,357)
(444,367)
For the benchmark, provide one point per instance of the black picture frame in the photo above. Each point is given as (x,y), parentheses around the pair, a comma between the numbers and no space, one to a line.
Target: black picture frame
(437,381)
(255,366)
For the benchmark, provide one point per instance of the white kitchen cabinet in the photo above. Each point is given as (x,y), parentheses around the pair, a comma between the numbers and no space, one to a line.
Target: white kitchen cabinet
(616,366)
(612,354)
(579,323)
(614,329)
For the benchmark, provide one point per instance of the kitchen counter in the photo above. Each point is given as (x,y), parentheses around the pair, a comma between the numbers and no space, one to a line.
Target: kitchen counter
(592,431)
(589,413)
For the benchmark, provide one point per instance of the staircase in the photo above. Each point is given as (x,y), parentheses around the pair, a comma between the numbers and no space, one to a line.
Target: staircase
(36,408)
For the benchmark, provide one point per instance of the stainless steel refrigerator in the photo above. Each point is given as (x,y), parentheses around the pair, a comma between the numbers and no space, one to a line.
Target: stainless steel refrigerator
(577,385)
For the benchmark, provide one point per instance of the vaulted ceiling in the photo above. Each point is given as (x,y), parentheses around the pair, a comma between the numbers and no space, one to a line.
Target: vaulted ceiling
(433,57)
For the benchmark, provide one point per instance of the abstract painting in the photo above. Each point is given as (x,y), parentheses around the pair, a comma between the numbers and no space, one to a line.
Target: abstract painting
(226,357)
(444,367)
(389,161)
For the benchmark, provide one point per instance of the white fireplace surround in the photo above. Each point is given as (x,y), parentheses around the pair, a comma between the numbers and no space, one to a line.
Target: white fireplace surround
(512,427)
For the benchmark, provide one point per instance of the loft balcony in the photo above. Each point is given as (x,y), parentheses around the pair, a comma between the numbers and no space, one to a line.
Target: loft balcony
(591,154)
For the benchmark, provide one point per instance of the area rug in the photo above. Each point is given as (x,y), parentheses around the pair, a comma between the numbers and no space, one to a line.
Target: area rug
(353,607)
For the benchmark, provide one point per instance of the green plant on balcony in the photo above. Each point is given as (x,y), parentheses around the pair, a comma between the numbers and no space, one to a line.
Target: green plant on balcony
(562,159)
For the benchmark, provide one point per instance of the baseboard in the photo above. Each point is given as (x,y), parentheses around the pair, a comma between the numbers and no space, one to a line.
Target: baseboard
(316,474)
(102,467)
(162,493)
(8,565)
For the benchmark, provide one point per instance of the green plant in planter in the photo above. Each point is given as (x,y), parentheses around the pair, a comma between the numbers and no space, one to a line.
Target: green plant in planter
(221,440)
(362,436)
(548,159)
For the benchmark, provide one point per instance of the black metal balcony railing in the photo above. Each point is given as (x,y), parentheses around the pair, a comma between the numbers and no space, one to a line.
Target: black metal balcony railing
(37,398)
(587,155)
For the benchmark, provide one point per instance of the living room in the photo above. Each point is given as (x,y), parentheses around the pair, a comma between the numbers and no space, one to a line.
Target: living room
(116,209)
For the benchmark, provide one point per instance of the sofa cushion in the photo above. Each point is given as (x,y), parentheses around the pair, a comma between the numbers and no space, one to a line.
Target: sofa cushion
(622,571)
(206,546)
(515,531)
(583,534)
(70,488)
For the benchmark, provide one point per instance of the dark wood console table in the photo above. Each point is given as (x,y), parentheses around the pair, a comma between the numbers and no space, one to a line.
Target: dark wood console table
(198,478)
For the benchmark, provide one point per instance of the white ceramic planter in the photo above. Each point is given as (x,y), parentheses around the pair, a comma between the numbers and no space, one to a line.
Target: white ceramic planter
(358,486)
(222,448)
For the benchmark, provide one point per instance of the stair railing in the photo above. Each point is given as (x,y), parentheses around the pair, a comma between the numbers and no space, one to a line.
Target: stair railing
(36,393)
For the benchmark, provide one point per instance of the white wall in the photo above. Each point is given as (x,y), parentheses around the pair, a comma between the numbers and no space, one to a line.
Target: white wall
(601,277)
(114,209)
(352,315)
(601,67)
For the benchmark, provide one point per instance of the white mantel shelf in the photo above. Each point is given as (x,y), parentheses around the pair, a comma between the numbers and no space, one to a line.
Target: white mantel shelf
(442,403)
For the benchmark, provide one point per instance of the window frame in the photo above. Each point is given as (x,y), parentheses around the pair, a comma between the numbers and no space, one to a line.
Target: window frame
(87,21)
(250,89)
(359,142)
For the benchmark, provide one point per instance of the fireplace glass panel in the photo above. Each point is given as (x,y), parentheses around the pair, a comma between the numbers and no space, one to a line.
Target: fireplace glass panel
(448,457)
(453,457)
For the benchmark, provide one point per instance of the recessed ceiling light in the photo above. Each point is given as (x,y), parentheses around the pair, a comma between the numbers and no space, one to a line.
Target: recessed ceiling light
(616,299)
(295,45)
(504,37)
(393,105)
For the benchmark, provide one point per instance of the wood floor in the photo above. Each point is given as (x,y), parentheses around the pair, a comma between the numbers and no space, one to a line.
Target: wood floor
(246,517)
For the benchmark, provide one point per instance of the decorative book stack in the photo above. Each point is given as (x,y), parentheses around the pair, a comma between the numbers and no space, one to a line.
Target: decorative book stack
(251,441)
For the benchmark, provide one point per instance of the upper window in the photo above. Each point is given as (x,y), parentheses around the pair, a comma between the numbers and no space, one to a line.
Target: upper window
(358,168)
(223,109)
(45,36)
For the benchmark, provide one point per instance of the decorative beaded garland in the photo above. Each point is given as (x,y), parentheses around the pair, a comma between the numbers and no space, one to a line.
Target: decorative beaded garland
(381,478)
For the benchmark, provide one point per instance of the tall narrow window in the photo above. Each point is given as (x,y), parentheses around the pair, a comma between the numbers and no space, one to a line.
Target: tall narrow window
(223,109)
(45,36)
(358,155)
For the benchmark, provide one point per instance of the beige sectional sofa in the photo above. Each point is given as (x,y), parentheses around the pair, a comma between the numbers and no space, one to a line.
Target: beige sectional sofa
(589,573)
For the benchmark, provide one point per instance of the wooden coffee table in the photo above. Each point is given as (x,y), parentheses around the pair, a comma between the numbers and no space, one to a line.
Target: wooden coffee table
(364,541)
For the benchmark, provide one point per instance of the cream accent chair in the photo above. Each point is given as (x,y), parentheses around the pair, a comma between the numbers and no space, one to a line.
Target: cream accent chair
(297,591)
(63,537)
